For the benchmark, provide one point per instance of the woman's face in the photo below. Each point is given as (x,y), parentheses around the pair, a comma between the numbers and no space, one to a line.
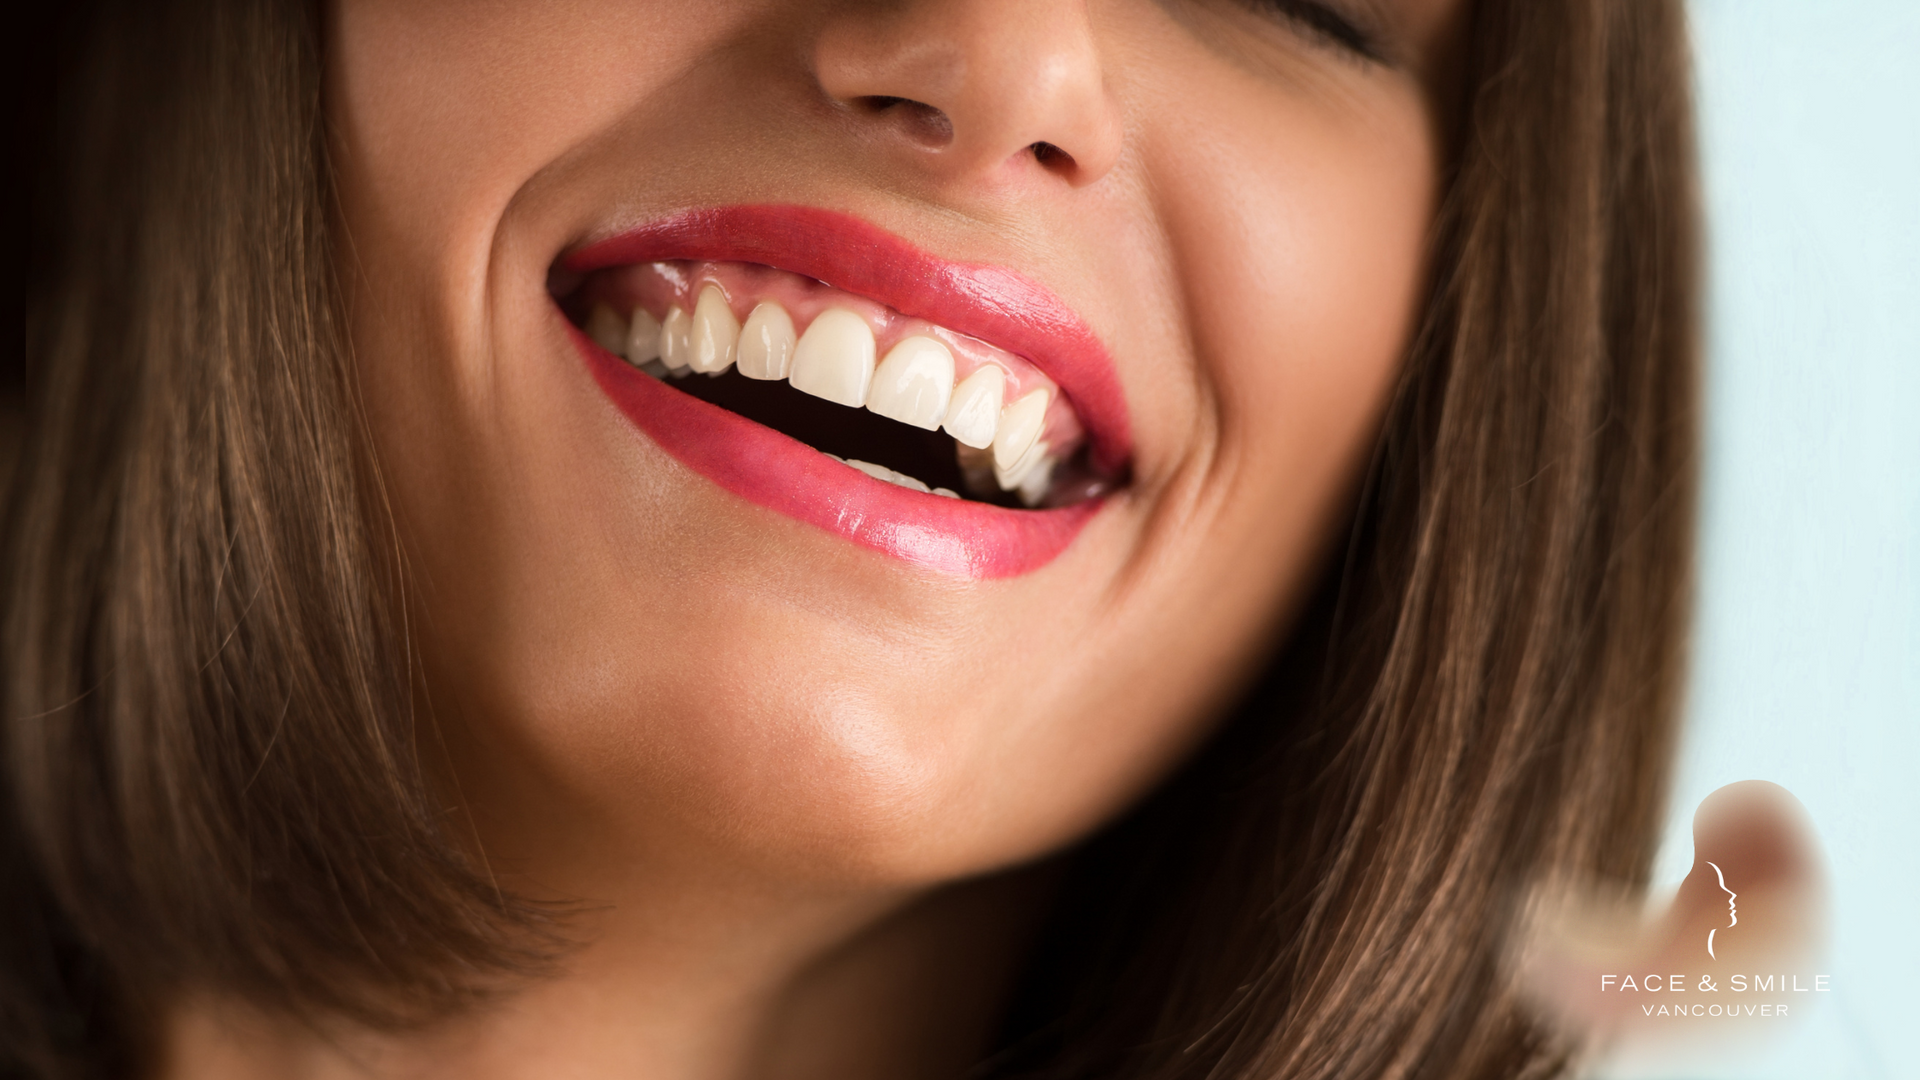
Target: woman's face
(1187,238)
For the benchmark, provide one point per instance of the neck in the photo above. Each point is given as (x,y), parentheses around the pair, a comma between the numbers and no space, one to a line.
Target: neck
(705,984)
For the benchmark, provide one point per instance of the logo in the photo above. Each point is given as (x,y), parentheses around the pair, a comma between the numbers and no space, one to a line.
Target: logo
(1765,986)
(1597,959)
(1733,913)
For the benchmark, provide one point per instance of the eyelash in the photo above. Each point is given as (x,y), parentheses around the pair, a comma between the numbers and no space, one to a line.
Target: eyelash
(1323,22)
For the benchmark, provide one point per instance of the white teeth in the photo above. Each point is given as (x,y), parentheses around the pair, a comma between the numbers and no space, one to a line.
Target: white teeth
(974,413)
(607,330)
(1020,425)
(1012,476)
(715,332)
(1033,490)
(643,338)
(676,340)
(913,383)
(834,358)
(1035,475)
(766,343)
(881,472)
(898,479)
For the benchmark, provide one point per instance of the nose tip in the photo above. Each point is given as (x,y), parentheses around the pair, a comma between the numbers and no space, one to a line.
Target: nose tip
(971,87)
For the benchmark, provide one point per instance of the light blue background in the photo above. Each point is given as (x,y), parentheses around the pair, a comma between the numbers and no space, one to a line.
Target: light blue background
(1807,646)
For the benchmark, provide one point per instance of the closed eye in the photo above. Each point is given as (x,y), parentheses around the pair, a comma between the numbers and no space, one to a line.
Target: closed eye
(1322,23)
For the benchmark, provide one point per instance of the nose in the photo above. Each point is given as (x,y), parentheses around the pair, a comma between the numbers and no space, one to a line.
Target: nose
(969,87)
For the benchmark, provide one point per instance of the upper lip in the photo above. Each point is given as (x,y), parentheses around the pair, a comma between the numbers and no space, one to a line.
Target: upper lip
(991,303)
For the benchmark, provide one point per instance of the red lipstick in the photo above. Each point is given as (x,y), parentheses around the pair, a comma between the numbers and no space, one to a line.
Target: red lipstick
(780,473)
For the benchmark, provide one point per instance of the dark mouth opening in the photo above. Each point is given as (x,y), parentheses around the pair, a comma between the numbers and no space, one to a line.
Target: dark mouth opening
(855,434)
(932,457)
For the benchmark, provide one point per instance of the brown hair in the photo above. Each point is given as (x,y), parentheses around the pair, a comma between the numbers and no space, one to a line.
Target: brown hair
(207,765)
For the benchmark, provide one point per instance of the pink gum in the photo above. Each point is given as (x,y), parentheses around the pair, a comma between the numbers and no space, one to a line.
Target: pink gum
(658,286)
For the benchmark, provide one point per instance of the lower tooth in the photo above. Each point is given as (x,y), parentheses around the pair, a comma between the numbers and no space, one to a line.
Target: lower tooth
(1033,486)
(881,472)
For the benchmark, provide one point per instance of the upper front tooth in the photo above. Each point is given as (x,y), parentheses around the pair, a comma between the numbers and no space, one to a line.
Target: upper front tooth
(766,343)
(974,413)
(606,329)
(715,331)
(1020,425)
(643,338)
(913,383)
(834,358)
(676,339)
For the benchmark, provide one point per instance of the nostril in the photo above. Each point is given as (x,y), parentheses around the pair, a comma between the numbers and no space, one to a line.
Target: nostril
(1050,156)
(921,122)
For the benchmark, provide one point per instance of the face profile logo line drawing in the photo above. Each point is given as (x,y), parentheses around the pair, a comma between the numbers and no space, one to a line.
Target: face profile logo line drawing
(1732,911)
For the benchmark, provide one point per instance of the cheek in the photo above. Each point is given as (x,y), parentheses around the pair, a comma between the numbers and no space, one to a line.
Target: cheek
(1303,246)
(440,112)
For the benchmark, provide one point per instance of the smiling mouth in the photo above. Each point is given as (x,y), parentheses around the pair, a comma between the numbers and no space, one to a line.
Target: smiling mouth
(956,416)
(902,399)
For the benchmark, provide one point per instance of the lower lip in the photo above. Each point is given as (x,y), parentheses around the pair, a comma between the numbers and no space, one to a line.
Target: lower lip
(789,477)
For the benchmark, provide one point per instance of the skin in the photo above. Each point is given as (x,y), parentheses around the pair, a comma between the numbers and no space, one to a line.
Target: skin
(791,782)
